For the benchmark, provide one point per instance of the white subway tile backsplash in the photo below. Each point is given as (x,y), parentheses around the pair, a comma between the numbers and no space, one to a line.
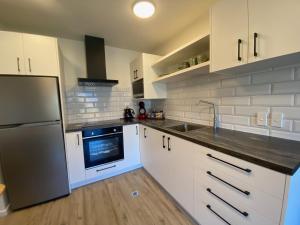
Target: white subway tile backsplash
(250,110)
(253,90)
(273,76)
(289,112)
(235,101)
(227,110)
(297,73)
(297,126)
(285,135)
(222,92)
(253,130)
(241,120)
(239,81)
(273,100)
(286,87)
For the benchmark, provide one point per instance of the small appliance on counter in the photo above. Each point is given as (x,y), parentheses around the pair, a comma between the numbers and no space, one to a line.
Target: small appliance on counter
(156,115)
(128,113)
(142,111)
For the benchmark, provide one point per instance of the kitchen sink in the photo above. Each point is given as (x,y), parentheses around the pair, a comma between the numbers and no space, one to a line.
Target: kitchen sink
(186,127)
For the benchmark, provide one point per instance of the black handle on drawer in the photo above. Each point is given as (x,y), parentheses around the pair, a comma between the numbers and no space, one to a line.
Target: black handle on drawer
(255,47)
(145,133)
(163,141)
(218,215)
(245,214)
(225,182)
(239,50)
(169,148)
(238,167)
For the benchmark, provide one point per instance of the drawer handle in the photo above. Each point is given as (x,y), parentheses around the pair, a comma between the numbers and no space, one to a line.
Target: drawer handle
(169,147)
(163,140)
(106,168)
(217,214)
(255,44)
(245,214)
(225,182)
(239,50)
(145,133)
(245,170)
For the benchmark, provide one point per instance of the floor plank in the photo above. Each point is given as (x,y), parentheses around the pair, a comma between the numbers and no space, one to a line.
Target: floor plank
(107,202)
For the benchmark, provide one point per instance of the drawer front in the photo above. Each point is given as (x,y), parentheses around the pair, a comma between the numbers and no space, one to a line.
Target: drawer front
(248,173)
(261,207)
(102,170)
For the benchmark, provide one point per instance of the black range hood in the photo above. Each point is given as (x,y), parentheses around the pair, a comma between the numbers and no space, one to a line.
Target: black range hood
(95,64)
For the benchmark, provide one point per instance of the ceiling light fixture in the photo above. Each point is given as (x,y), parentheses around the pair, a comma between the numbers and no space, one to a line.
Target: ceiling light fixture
(143,9)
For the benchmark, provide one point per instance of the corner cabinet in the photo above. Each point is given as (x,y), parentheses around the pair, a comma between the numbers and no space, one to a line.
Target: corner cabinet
(247,31)
(170,161)
(143,76)
(75,158)
(28,54)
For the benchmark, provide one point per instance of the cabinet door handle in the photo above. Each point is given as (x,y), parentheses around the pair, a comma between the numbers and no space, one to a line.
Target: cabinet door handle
(18,64)
(239,50)
(255,44)
(225,182)
(163,140)
(29,63)
(137,130)
(217,214)
(169,148)
(78,140)
(245,214)
(145,133)
(235,166)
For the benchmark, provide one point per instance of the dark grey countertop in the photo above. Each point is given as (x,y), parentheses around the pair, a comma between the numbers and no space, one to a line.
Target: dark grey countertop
(274,153)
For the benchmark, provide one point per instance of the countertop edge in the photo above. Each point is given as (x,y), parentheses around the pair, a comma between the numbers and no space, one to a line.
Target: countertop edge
(251,159)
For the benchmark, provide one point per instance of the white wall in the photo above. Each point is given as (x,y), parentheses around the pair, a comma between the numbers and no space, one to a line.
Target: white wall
(194,30)
(88,104)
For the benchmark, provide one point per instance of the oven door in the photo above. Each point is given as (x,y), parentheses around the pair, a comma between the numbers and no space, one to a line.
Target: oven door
(103,149)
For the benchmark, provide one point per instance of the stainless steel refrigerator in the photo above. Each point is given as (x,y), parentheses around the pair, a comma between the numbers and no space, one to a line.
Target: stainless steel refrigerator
(32,154)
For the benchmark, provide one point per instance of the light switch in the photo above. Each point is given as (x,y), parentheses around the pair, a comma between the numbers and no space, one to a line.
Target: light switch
(262,118)
(277,119)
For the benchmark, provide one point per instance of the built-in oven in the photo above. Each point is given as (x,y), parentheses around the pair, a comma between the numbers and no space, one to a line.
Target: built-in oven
(102,145)
(138,88)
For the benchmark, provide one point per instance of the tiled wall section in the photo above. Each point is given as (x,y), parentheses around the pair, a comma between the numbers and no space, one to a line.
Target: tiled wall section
(239,99)
(89,104)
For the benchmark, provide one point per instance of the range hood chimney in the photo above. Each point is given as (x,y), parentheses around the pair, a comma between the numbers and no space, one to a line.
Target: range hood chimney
(95,60)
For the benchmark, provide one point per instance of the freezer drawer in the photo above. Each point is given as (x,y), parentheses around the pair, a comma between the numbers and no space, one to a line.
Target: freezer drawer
(33,163)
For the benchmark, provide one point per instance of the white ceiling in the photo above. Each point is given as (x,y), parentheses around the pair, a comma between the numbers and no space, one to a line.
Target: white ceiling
(111,19)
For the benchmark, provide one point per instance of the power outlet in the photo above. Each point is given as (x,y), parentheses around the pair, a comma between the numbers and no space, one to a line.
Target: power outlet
(277,119)
(262,119)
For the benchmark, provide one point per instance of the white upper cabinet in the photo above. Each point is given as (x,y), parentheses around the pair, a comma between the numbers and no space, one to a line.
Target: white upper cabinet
(141,68)
(136,69)
(41,55)
(11,53)
(276,23)
(28,54)
(229,34)
(267,30)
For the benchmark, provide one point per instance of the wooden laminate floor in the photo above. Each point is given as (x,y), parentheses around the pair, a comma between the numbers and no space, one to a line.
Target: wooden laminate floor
(107,202)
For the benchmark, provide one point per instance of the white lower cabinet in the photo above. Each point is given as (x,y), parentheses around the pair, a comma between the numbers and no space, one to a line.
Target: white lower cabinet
(131,144)
(215,188)
(75,158)
(170,161)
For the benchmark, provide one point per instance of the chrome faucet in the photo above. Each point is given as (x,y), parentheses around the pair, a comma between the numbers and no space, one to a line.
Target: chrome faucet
(215,125)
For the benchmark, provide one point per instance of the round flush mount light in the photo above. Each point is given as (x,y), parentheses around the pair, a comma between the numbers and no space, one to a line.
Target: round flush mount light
(143,9)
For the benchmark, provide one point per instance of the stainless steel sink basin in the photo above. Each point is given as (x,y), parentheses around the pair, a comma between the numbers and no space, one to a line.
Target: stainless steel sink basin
(186,127)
